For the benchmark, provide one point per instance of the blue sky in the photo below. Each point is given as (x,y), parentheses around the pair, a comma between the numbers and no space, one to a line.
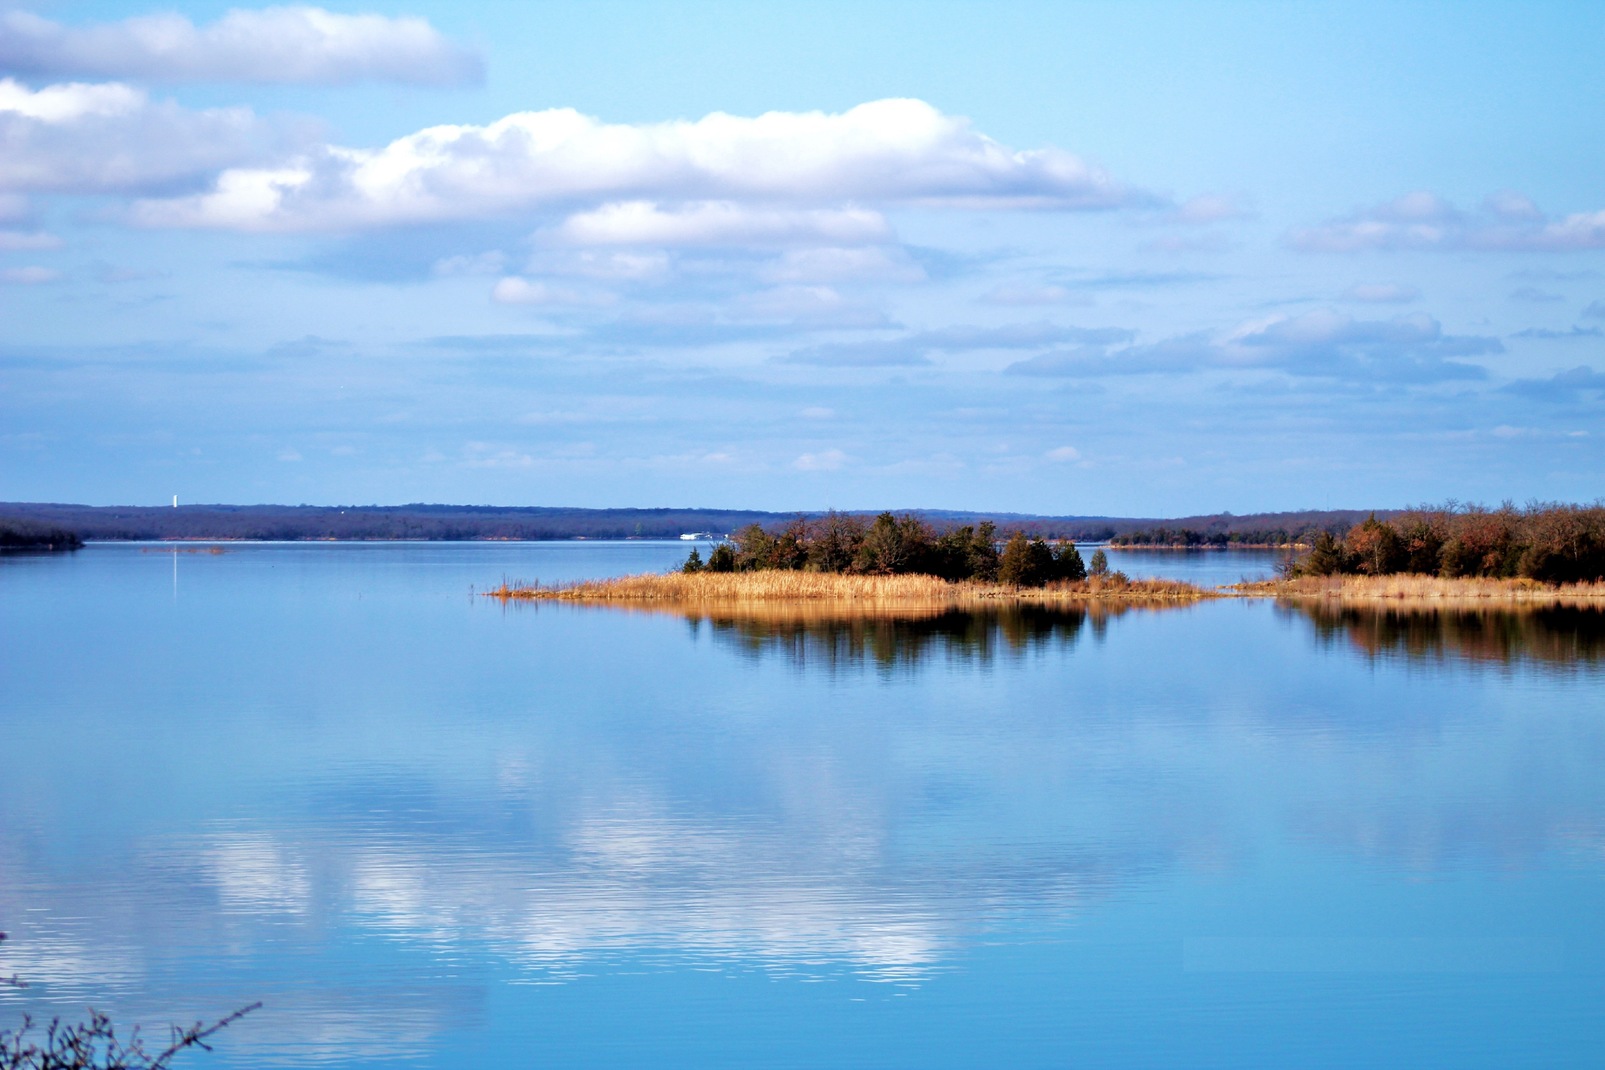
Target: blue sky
(1061,258)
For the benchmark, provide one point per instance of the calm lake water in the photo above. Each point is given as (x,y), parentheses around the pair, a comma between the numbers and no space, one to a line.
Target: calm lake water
(429,830)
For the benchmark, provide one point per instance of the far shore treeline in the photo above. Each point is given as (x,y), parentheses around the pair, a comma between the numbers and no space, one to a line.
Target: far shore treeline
(480,522)
(892,545)
(1548,542)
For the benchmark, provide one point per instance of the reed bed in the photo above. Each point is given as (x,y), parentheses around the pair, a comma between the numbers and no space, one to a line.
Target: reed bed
(1415,591)
(736,589)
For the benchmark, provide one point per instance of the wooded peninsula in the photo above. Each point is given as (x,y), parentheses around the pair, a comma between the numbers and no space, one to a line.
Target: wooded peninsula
(1542,554)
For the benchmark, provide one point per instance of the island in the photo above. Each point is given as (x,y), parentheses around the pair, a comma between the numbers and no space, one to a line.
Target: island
(1544,554)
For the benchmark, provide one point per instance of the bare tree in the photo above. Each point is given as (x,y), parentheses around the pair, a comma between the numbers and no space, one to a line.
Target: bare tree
(94,1044)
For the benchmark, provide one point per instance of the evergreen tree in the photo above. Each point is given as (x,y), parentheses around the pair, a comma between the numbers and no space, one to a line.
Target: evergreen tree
(1025,562)
(1067,563)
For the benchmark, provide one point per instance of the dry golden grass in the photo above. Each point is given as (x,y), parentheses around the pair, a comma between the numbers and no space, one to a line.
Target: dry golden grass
(1408,591)
(861,593)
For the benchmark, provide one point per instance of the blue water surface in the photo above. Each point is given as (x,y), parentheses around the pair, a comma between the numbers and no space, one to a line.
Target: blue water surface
(427,829)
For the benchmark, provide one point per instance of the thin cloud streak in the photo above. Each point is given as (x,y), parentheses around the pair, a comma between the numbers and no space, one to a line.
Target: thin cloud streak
(295,45)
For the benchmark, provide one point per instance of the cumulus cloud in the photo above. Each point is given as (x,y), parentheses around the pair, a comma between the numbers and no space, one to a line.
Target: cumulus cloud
(111,138)
(1318,344)
(722,223)
(297,44)
(1063,454)
(887,151)
(1568,385)
(1505,222)
(1325,342)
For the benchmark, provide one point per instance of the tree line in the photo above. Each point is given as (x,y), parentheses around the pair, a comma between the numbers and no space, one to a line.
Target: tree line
(891,545)
(1550,542)
(24,535)
(1192,538)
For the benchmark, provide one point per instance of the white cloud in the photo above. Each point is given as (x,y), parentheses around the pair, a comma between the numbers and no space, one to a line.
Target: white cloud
(13,241)
(516,291)
(1505,222)
(891,151)
(1064,453)
(721,223)
(79,138)
(28,276)
(825,461)
(64,103)
(272,45)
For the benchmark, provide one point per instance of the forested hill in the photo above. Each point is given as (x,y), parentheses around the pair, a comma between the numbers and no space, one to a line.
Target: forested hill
(461,522)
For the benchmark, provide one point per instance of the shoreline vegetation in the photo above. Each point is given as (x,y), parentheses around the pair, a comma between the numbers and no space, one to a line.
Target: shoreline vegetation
(1544,555)
(834,591)
(765,593)
(1426,592)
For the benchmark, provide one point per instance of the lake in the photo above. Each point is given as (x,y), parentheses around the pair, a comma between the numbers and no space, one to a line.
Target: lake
(430,830)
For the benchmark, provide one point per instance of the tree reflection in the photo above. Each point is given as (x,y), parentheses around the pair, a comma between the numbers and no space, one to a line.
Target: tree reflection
(832,640)
(1559,637)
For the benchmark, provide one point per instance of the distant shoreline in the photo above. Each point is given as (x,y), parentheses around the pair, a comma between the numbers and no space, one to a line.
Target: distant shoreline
(454,523)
